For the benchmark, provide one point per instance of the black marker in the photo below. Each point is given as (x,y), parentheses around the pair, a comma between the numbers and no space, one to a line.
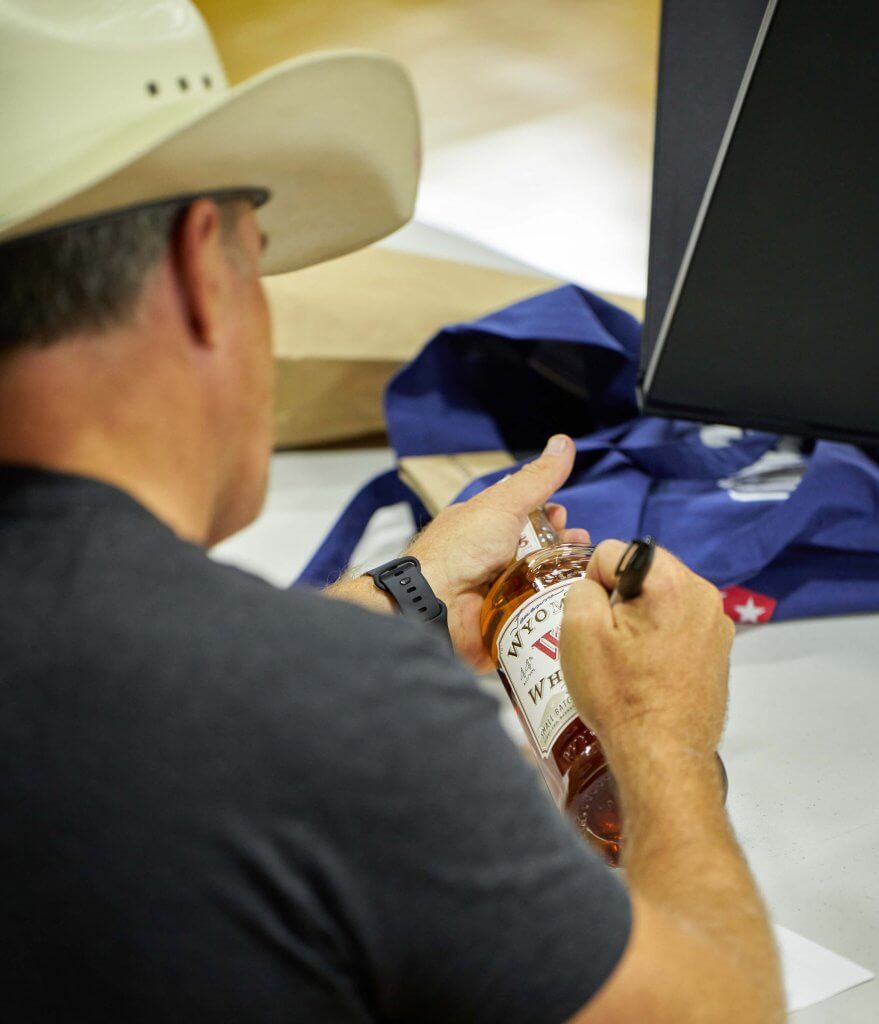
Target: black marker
(633,569)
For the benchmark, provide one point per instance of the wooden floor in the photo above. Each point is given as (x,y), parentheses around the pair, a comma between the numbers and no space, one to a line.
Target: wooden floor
(478,65)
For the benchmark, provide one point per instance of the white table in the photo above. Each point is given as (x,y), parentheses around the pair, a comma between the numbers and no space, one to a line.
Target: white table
(801,744)
(802,754)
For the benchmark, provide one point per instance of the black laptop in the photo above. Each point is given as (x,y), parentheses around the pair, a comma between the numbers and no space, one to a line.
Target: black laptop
(764,251)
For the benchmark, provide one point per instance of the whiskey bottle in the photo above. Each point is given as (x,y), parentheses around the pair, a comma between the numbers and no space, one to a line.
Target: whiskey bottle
(520,623)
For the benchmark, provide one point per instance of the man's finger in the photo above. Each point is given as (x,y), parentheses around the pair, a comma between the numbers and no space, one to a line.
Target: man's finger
(557,516)
(574,536)
(665,573)
(603,564)
(521,492)
(587,609)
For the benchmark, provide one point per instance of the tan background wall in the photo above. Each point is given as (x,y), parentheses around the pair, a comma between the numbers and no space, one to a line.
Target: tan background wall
(479,66)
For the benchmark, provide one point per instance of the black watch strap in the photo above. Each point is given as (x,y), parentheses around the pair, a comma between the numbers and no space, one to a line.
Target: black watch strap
(403,580)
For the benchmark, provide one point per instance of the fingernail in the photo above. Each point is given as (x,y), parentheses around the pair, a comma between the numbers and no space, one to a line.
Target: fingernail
(556,445)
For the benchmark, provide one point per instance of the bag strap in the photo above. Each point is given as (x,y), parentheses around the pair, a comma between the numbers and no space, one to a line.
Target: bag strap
(333,556)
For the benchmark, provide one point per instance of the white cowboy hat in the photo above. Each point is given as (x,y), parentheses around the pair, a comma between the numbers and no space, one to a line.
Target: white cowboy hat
(109,104)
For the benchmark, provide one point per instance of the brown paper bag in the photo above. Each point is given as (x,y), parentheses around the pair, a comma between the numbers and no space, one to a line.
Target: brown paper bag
(341,329)
(439,479)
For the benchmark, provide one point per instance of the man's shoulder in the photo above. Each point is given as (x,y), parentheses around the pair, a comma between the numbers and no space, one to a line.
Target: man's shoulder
(200,601)
(296,620)
(304,676)
(173,629)
(217,621)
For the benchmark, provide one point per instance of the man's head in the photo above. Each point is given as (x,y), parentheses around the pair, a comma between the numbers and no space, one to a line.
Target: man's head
(135,347)
(145,334)
(87,276)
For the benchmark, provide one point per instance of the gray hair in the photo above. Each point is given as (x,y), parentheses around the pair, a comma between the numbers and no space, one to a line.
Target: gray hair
(85,276)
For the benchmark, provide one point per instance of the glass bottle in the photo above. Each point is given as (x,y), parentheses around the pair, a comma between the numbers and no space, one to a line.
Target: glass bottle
(520,623)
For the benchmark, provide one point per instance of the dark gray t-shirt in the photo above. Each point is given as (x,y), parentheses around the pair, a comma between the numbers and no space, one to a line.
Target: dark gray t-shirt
(223,802)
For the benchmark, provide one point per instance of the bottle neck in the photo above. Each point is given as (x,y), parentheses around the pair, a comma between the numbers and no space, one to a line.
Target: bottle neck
(536,534)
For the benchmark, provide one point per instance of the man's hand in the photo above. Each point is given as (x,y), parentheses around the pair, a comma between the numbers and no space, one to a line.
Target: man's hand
(650,672)
(650,677)
(468,545)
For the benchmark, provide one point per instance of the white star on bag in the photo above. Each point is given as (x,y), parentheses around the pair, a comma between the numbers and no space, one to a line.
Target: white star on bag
(749,611)
(747,606)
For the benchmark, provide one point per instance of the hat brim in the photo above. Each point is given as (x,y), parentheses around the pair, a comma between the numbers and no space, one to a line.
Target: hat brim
(333,137)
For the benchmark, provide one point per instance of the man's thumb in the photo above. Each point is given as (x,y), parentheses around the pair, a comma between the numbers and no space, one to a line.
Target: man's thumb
(537,481)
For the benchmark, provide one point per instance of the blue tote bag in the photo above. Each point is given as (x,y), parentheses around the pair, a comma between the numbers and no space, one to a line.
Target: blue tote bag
(785,530)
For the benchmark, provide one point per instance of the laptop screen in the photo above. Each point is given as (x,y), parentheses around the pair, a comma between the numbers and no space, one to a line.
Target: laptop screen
(772,319)
(703,52)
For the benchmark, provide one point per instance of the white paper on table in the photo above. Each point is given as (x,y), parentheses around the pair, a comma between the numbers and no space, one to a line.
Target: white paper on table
(385,537)
(551,192)
(812,973)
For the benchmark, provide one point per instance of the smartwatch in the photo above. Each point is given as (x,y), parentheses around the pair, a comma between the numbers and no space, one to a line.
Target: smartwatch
(403,580)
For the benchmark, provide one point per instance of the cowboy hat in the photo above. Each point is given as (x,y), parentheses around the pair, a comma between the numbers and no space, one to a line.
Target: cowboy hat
(108,105)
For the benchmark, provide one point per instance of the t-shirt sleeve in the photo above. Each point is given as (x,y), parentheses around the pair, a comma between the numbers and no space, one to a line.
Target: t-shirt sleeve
(468,895)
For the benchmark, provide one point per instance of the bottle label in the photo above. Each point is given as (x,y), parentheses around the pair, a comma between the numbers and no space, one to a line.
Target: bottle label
(528,655)
(528,540)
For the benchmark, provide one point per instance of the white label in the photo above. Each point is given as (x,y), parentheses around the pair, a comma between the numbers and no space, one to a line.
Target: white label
(528,540)
(773,477)
(528,655)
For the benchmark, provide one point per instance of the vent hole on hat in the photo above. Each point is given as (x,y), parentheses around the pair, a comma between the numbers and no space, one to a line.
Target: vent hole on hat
(208,82)
(183,83)
(152,88)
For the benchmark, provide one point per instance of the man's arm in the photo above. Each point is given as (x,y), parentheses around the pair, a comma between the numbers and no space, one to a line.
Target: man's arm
(363,591)
(468,545)
(650,678)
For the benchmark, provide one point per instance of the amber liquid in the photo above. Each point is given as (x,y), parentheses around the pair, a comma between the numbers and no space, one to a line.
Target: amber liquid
(575,770)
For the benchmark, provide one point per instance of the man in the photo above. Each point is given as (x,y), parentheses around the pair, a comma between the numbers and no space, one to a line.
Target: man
(224,802)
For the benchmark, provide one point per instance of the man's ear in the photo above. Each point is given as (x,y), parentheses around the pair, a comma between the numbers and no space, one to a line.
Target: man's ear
(202,269)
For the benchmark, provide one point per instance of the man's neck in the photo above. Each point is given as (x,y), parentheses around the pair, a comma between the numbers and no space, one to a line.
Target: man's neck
(82,407)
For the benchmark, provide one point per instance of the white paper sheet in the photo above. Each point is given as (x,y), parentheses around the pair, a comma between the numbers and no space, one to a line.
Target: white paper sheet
(813,973)
(552,193)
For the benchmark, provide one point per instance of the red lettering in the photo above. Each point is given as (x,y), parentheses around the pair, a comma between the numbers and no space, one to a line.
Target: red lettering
(548,644)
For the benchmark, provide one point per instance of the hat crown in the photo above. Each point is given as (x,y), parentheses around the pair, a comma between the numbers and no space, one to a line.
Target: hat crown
(78,75)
